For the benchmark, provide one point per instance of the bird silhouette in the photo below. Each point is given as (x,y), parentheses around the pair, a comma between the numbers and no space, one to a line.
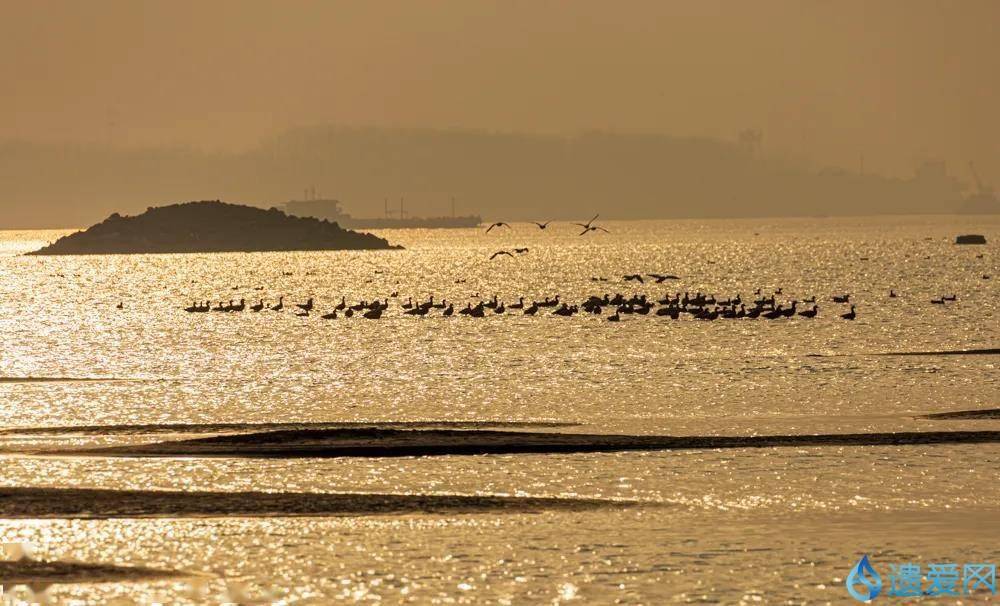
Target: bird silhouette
(635,277)
(774,314)
(279,305)
(500,252)
(542,225)
(497,224)
(520,251)
(810,313)
(849,315)
(661,277)
(588,223)
(593,228)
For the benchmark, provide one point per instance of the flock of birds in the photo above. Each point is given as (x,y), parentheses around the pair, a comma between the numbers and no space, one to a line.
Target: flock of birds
(698,306)
(587,228)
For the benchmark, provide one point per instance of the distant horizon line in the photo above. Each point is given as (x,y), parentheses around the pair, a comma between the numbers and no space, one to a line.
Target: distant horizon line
(603,218)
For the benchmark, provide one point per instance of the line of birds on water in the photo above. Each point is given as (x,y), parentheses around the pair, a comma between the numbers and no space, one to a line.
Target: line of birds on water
(698,306)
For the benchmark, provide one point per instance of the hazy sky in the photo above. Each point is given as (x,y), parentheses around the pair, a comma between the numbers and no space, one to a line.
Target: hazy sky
(896,80)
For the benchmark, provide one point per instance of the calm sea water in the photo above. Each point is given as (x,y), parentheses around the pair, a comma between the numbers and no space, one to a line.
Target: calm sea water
(771,525)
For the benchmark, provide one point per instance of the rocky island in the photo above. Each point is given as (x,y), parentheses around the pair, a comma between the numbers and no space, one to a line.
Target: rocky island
(210,226)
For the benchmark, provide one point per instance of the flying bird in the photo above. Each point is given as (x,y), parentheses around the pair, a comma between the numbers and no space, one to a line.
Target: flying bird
(594,228)
(520,251)
(588,223)
(635,277)
(542,225)
(497,224)
(661,277)
(500,252)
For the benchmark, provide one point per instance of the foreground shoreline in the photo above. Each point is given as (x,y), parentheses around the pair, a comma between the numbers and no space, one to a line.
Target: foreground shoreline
(86,503)
(384,442)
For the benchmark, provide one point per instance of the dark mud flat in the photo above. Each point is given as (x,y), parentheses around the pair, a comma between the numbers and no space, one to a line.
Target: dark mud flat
(210,428)
(103,504)
(988,413)
(65,380)
(944,352)
(29,572)
(955,352)
(379,442)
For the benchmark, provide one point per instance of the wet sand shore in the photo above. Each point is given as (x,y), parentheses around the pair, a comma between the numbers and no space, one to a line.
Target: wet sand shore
(20,503)
(32,572)
(987,413)
(387,442)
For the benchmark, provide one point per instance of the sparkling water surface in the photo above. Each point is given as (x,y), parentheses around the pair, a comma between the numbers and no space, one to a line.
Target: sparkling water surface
(723,526)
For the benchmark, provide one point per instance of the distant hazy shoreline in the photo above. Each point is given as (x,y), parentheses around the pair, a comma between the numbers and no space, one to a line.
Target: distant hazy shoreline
(509,176)
(971,217)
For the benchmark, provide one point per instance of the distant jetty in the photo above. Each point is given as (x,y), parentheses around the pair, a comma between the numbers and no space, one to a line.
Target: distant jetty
(210,226)
(330,209)
(414,222)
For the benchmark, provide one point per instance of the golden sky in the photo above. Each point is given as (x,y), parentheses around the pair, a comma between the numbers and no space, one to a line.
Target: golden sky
(896,80)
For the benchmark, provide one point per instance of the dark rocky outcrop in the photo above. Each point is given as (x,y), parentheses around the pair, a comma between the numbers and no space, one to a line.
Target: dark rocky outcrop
(971,239)
(210,226)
